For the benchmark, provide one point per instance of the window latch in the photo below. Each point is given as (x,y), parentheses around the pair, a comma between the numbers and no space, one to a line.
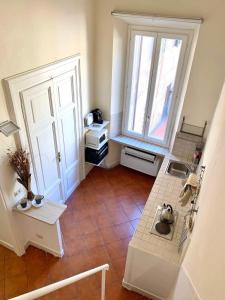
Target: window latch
(59,157)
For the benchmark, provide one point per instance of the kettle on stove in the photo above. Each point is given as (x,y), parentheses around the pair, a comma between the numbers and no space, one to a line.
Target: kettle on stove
(167,215)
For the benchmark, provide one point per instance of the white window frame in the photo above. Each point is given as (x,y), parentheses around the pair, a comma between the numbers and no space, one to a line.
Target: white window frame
(187,36)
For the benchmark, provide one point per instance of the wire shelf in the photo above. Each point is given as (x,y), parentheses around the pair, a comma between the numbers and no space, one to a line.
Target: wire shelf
(193,129)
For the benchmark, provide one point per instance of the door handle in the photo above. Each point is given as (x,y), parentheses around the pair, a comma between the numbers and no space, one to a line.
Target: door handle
(59,157)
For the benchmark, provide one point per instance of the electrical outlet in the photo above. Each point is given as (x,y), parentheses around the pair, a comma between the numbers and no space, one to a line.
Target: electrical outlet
(39,236)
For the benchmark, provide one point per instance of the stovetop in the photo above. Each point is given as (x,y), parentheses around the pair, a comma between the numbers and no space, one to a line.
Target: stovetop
(153,230)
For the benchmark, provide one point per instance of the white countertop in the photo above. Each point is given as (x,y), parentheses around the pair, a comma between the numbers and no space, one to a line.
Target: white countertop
(49,213)
(124,140)
(166,189)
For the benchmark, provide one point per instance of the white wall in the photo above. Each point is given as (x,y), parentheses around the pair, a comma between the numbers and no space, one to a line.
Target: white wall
(184,289)
(34,33)
(208,69)
(6,235)
(119,52)
(117,88)
(204,263)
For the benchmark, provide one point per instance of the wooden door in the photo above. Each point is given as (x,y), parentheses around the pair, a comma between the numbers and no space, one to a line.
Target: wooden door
(66,95)
(41,124)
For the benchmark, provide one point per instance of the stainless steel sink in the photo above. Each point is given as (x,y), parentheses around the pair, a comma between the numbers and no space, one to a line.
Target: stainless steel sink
(178,169)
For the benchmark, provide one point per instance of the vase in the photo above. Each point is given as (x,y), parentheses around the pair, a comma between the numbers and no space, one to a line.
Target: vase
(30,194)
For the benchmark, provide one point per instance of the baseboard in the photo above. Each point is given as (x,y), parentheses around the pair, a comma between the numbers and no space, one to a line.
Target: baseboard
(142,292)
(111,165)
(44,248)
(7,245)
(72,189)
(88,168)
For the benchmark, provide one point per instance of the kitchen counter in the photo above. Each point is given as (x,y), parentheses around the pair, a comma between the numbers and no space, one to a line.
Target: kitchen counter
(49,213)
(131,142)
(166,189)
(153,262)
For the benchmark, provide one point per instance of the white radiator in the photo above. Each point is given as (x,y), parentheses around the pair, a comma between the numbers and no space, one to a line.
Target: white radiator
(141,161)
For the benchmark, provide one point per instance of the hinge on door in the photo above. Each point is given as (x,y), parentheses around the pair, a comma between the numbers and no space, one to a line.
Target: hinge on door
(59,157)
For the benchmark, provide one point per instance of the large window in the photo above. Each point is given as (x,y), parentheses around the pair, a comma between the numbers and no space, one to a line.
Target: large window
(153,81)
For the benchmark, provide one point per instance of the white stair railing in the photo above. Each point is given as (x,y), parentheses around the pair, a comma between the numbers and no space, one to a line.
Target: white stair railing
(60,284)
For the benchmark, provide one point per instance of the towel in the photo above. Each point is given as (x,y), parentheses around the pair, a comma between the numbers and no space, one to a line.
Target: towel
(189,187)
(186,195)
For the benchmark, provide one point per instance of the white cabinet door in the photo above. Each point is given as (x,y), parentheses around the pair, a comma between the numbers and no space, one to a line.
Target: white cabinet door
(66,95)
(41,125)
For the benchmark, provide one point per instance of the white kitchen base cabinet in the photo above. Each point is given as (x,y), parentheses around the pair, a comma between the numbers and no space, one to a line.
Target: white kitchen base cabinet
(153,262)
(148,274)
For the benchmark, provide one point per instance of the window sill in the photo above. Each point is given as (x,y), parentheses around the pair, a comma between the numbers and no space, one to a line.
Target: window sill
(124,140)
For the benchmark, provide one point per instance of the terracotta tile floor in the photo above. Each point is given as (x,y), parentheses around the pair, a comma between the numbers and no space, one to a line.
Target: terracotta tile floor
(97,226)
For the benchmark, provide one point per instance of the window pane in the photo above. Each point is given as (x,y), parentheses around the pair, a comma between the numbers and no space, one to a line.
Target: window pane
(142,60)
(164,86)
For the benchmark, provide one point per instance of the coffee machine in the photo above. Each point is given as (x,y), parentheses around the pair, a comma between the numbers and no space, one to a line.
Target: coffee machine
(97,116)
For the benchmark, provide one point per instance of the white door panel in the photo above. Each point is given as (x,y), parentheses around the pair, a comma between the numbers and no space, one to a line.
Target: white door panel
(65,91)
(69,138)
(41,106)
(72,179)
(45,143)
(42,132)
(55,194)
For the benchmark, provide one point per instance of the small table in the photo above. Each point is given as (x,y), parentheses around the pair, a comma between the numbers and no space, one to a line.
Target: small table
(40,227)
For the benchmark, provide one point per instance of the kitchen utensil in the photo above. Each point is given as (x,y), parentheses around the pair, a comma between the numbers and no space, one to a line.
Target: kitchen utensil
(166,215)
(88,120)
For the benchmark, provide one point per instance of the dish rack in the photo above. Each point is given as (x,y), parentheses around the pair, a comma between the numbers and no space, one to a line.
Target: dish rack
(189,217)
(193,129)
